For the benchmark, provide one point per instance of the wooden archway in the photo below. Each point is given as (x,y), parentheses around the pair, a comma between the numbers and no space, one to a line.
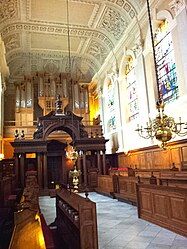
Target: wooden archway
(69,123)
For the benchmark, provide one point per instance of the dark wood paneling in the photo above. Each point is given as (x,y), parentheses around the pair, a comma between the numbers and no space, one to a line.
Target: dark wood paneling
(155,157)
(105,185)
(127,189)
(165,206)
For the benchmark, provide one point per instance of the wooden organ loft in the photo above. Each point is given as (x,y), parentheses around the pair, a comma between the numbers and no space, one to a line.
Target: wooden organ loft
(62,113)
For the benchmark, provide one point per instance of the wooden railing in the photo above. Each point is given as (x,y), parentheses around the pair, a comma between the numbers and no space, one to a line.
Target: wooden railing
(29,129)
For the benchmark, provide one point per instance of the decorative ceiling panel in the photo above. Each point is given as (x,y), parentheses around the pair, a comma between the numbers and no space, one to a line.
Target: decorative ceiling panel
(56,11)
(53,42)
(113,22)
(35,33)
(8,10)
(12,41)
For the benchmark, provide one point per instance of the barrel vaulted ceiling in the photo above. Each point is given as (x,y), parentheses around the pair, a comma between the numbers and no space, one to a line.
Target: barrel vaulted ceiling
(35,34)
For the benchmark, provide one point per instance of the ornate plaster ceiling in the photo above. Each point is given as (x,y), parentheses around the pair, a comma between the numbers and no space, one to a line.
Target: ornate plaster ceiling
(35,34)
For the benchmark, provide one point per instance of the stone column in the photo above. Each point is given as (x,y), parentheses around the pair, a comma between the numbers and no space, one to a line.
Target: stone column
(120,125)
(45,171)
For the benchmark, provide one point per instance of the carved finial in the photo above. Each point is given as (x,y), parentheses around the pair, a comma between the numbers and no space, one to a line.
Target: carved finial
(86,193)
(22,134)
(16,134)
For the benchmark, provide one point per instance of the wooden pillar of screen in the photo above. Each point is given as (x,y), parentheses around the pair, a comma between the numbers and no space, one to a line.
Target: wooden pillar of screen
(78,163)
(45,171)
(22,169)
(104,163)
(99,162)
(17,169)
(85,170)
(39,170)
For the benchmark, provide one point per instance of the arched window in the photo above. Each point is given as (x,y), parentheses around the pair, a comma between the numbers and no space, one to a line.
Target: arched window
(111,104)
(133,109)
(165,63)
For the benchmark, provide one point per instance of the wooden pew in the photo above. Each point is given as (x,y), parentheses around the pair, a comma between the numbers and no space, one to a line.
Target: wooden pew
(105,185)
(76,220)
(173,179)
(121,184)
(127,189)
(27,232)
(164,206)
(30,228)
(48,236)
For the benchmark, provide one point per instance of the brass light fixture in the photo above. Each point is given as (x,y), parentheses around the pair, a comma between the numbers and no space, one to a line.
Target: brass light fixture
(163,127)
(71,153)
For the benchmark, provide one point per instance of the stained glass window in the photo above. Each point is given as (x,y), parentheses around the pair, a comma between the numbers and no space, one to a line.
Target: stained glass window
(133,107)
(110,105)
(165,63)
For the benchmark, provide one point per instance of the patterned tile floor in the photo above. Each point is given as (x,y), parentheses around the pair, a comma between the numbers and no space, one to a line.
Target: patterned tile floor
(119,226)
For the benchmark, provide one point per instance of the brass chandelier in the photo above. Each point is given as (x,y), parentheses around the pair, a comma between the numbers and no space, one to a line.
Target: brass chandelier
(162,127)
(71,153)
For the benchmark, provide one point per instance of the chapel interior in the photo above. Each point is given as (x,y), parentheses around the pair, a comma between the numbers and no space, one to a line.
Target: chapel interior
(93,124)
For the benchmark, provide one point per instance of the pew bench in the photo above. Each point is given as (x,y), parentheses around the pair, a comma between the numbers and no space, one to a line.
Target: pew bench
(164,206)
(76,220)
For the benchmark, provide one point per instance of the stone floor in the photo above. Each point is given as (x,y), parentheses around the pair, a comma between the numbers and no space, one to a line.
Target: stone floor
(120,228)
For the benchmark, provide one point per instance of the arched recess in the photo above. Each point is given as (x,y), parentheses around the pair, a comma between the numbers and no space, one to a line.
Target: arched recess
(160,16)
(124,61)
(128,55)
(70,129)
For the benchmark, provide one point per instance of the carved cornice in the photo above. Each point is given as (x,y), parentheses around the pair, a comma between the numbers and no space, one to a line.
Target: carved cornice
(49,29)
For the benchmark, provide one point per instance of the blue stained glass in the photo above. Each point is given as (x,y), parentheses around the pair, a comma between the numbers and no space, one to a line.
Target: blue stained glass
(166,67)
